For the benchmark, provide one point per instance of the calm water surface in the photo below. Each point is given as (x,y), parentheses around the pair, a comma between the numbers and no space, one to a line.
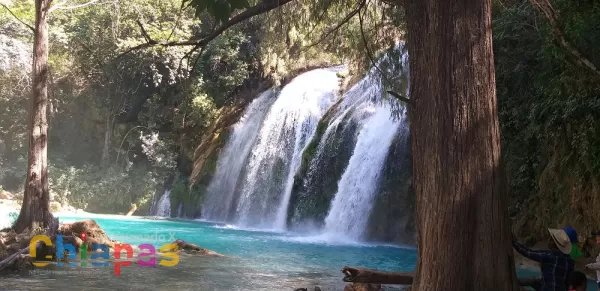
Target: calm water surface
(254,260)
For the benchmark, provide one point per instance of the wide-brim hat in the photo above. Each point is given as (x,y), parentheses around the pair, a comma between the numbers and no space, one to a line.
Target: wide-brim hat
(561,239)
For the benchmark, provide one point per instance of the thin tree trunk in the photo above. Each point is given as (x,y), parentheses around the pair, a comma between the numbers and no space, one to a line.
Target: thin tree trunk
(463,227)
(107,140)
(35,209)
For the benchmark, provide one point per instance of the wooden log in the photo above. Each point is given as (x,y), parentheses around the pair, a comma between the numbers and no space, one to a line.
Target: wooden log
(356,275)
(12,258)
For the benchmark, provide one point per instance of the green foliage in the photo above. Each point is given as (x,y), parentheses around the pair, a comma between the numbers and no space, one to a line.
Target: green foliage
(186,197)
(550,115)
(301,34)
(112,118)
(220,9)
(100,190)
(227,61)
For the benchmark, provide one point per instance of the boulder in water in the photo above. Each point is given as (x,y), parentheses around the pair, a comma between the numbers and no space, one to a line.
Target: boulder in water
(93,232)
(194,249)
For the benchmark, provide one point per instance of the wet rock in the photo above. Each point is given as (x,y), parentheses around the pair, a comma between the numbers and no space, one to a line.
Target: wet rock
(194,249)
(6,195)
(93,232)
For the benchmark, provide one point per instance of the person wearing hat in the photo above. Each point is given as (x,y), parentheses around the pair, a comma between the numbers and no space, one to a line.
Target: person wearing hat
(556,263)
(576,252)
(596,266)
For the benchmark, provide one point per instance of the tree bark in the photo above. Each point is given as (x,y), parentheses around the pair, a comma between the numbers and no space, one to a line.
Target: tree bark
(462,222)
(35,210)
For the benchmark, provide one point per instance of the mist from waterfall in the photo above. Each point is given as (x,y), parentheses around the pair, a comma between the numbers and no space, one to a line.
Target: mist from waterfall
(232,159)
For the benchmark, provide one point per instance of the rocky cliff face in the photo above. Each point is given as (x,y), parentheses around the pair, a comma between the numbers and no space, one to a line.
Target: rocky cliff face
(186,201)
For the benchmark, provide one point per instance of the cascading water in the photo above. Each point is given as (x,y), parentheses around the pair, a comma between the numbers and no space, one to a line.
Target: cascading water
(298,161)
(288,127)
(163,207)
(350,172)
(350,209)
(221,190)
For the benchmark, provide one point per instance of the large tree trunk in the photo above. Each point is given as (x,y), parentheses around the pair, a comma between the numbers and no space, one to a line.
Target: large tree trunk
(35,209)
(463,228)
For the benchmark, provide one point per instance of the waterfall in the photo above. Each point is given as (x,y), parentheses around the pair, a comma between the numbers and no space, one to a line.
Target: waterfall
(349,172)
(163,207)
(288,127)
(350,209)
(302,159)
(363,108)
(220,193)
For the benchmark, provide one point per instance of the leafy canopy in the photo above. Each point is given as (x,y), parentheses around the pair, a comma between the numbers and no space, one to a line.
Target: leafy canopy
(220,9)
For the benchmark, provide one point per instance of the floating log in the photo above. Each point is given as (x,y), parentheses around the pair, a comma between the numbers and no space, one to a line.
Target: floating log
(356,275)
(12,258)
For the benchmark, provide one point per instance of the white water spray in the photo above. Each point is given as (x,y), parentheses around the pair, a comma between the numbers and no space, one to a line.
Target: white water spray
(164,205)
(288,127)
(220,193)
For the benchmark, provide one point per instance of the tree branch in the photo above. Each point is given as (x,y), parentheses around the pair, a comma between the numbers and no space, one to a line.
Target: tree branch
(262,7)
(17,18)
(10,259)
(547,10)
(145,33)
(352,13)
(177,21)
(357,275)
(372,59)
(399,97)
(61,7)
(401,3)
